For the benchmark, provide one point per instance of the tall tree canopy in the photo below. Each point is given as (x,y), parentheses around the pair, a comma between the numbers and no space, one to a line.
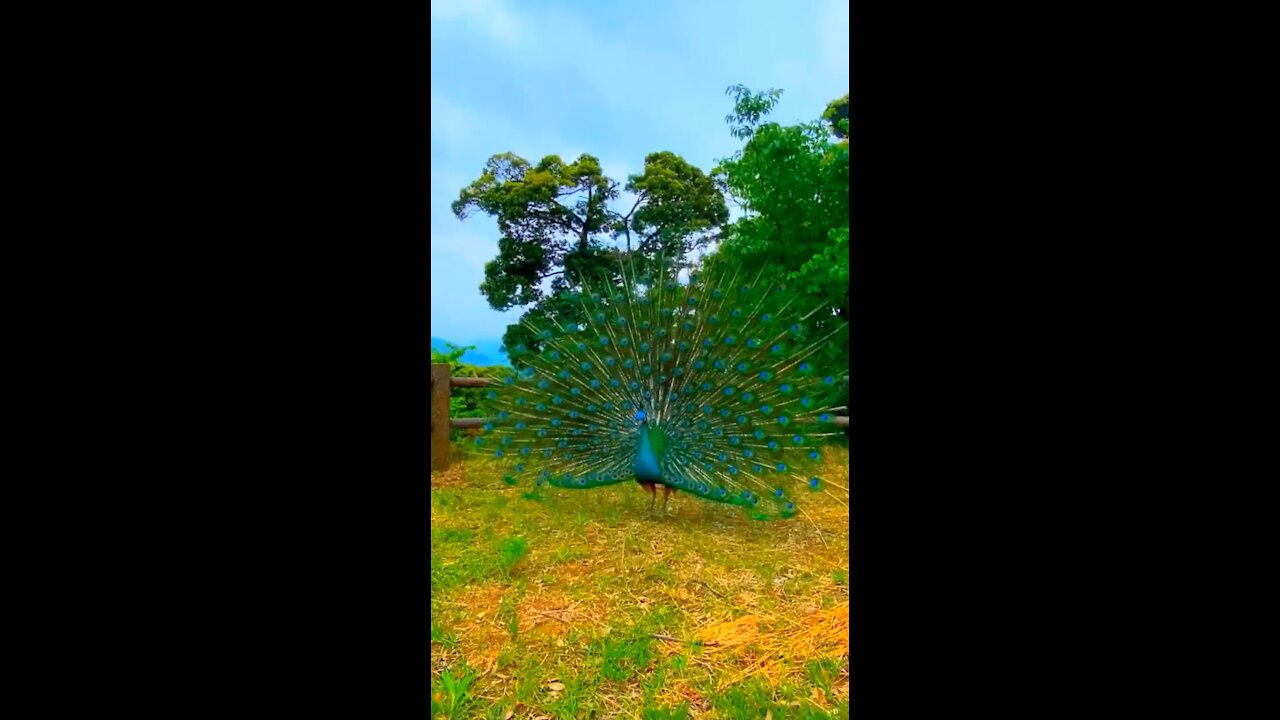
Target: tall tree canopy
(837,116)
(793,185)
(559,219)
(547,214)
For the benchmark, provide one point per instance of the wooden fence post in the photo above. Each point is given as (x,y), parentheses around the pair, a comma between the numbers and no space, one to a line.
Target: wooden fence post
(440,387)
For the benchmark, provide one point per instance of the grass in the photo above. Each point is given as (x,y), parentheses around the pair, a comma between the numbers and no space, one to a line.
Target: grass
(566,605)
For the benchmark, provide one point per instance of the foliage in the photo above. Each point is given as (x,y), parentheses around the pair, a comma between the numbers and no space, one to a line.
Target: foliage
(557,223)
(559,219)
(837,116)
(466,402)
(546,213)
(793,184)
(677,208)
(454,694)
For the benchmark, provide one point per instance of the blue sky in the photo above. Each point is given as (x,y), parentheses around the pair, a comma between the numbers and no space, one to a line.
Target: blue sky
(614,79)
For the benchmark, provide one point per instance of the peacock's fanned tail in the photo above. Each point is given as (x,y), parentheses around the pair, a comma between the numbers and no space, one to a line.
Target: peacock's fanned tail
(728,393)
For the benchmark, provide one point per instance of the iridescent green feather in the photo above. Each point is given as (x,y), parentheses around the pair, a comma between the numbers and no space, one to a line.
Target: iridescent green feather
(736,410)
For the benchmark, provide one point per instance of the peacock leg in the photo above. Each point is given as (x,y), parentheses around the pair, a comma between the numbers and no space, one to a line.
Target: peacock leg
(666,494)
(653,495)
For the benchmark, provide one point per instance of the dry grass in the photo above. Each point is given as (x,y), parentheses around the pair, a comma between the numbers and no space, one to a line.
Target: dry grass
(581,605)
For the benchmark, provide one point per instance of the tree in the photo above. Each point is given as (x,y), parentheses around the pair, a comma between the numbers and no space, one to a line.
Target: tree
(793,185)
(837,116)
(677,208)
(557,223)
(546,213)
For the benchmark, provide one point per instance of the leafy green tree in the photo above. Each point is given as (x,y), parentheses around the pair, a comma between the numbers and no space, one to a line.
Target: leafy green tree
(677,208)
(548,215)
(793,185)
(837,116)
(557,220)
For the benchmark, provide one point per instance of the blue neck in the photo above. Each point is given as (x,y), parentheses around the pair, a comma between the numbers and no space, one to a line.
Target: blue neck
(646,460)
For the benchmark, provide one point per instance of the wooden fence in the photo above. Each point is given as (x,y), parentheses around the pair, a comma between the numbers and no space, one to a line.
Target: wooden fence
(442,385)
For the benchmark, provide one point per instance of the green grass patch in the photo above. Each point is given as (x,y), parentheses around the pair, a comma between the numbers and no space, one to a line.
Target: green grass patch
(584,605)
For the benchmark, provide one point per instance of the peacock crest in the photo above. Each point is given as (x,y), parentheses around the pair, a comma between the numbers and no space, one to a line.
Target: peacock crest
(709,387)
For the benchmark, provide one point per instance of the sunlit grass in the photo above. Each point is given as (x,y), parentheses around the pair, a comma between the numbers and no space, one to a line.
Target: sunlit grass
(579,604)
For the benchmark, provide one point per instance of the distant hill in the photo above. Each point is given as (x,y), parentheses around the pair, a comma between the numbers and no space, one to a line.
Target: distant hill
(486,352)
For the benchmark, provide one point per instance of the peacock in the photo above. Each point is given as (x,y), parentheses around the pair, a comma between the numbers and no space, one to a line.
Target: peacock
(708,385)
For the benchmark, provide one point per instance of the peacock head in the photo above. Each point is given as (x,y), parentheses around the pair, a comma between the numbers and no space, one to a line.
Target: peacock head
(641,417)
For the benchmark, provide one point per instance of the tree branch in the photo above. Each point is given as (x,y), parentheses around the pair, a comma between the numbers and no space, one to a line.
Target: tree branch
(586,223)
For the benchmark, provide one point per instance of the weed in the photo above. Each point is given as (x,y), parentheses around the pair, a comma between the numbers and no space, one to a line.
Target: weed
(507,613)
(511,551)
(455,695)
(623,658)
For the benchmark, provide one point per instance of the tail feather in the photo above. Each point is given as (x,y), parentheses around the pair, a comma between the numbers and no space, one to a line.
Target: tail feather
(725,368)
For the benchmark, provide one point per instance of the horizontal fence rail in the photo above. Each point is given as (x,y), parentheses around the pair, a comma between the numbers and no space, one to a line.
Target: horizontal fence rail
(442,383)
